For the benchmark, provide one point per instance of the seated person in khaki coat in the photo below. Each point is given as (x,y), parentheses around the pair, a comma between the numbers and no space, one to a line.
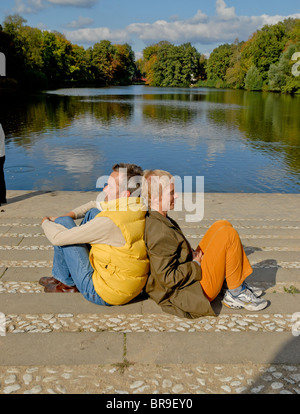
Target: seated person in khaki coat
(181,280)
(105,257)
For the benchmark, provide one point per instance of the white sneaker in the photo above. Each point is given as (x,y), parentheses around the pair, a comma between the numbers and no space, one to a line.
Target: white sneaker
(257,291)
(246,299)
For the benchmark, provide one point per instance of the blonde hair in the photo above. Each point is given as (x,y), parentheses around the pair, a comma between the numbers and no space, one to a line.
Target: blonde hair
(153,184)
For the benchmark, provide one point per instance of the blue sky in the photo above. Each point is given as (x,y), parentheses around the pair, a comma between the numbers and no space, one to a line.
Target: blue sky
(204,23)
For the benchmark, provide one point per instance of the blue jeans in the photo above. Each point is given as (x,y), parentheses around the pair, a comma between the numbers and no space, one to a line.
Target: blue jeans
(71,264)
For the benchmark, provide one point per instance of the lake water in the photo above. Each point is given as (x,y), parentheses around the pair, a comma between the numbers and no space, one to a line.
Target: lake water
(239,141)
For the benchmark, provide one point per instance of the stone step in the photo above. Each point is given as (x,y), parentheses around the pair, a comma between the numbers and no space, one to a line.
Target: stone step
(22,285)
(133,378)
(268,271)
(24,225)
(32,303)
(125,323)
(17,254)
(250,246)
(76,348)
(217,205)
(289,232)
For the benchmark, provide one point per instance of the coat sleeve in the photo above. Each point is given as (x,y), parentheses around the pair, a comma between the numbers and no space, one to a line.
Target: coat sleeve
(100,230)
(166,263)
(80,211)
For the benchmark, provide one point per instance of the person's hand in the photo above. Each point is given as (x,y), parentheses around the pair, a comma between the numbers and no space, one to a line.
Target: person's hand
(198,255)
(51,218)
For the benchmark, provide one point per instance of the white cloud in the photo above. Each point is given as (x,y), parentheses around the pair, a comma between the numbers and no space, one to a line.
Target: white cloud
(223,11)
(224,26)
(91,36)
(74,3)
(80,22)
(31,6)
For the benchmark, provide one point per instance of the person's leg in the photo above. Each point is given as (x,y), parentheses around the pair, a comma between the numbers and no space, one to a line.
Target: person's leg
(90,215)
(60,270)
(224,256)
(71,266)
(2,182)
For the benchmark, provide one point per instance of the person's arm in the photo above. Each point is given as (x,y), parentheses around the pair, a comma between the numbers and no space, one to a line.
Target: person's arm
(80,212)
(100,230)
(77,213)
(164,264)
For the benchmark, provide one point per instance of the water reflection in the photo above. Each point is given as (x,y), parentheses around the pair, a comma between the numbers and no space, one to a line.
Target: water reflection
(240,141)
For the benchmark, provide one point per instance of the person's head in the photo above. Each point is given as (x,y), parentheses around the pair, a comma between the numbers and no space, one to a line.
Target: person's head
(124,181)
(159,190)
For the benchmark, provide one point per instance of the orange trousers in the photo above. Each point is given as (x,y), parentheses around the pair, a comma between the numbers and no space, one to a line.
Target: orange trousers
(223,257)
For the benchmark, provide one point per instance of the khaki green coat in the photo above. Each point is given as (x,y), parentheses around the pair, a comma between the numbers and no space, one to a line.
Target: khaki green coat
(174,277)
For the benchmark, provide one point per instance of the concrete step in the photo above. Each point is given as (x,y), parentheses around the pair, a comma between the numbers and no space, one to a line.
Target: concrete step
(21,303)
(162,348)
(133,378)
(37,253)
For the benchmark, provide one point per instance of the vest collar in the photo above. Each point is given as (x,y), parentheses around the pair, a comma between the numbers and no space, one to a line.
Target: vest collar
(123,204)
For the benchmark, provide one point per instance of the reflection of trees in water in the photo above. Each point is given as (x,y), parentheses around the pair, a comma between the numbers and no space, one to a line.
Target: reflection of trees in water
(26,116)
(269,122)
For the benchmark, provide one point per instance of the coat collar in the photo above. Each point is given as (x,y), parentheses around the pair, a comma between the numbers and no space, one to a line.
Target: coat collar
(167,220)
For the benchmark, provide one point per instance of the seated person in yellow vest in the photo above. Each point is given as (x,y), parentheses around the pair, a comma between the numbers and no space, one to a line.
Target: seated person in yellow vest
(105,257)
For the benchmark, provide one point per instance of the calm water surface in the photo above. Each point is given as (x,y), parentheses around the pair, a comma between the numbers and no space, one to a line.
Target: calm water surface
(239,141)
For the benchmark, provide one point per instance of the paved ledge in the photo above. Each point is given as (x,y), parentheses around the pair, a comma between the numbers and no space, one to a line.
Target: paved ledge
(21,303)
(62,348)
(148,348)
(217,205)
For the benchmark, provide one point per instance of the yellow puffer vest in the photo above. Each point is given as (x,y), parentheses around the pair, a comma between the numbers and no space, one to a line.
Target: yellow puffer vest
(120,273)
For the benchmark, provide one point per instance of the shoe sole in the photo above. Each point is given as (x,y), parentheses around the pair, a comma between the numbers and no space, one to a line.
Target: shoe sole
(249,307)
(44,284)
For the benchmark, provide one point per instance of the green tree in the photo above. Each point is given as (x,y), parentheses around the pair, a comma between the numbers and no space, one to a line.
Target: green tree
(202,67)
(281,77)
(234,76)
(103,56)
(148,62)
(125,67)
(176,66)
(264,48)
(80,69)
(253,80)
(218,62)
(57,56)
(12,45)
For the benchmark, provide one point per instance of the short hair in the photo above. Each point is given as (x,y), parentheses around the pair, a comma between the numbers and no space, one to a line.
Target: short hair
(134,176)
(154,182)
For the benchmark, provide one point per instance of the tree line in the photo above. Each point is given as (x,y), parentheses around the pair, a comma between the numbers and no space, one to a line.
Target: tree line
(264,62)
(37,58)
